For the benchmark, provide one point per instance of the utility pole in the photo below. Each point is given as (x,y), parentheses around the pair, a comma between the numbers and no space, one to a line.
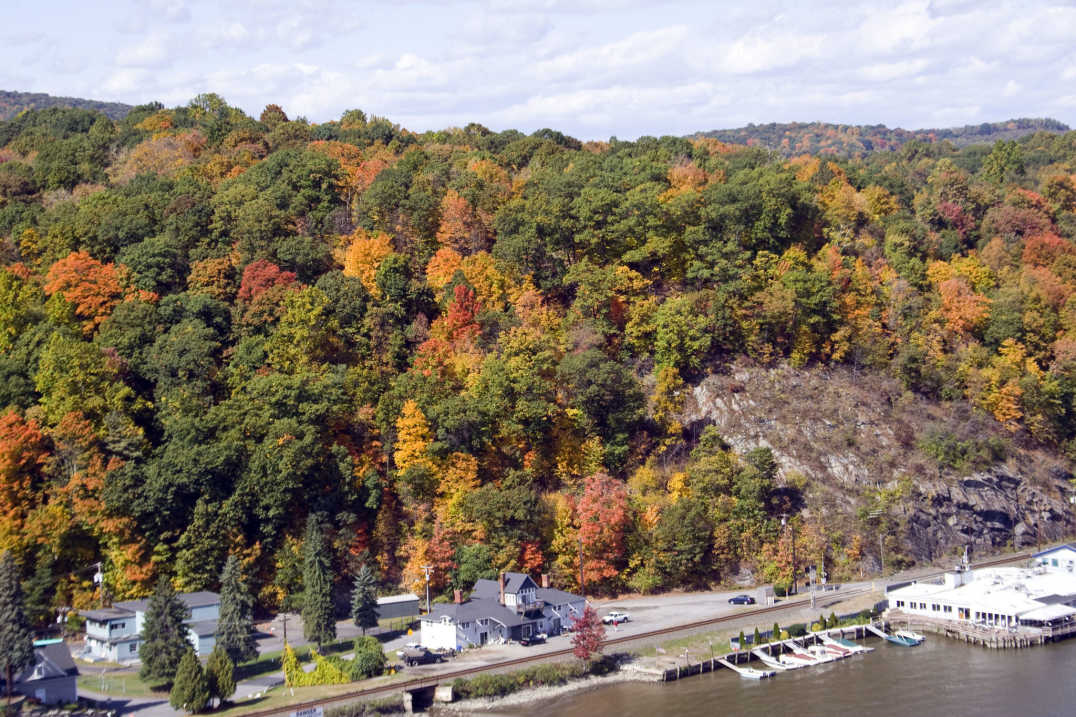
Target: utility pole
(785,523)
(426,570)
(284,621)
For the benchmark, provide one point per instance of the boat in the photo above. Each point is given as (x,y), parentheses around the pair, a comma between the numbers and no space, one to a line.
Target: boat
(749,672)
(821,654)
(792,662)
(902,641)
(854,647)
(770,661)
(910,635)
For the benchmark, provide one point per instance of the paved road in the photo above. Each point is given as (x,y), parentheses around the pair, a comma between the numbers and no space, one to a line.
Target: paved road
(648,613)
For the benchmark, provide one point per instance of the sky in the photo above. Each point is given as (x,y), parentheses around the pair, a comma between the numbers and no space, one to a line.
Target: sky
(590,68)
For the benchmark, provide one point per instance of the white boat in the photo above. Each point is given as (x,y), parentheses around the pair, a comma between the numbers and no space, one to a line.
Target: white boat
(752,674)
(770,661)
(910,635)
(821,654)
(749,672)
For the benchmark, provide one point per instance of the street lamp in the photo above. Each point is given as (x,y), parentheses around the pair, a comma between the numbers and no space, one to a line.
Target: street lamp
(426,570)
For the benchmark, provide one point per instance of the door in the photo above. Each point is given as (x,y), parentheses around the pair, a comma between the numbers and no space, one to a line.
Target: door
(483,637)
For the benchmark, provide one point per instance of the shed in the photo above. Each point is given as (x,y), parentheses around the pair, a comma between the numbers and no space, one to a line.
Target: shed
(393,606)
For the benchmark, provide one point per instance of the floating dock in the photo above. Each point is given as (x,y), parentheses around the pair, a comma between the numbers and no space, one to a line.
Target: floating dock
(812,649)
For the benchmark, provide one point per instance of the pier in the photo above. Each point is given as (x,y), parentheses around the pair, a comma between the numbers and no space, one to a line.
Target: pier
(999,638)
(737,659)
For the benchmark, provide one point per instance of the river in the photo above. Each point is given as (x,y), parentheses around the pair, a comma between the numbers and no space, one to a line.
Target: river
(940,677)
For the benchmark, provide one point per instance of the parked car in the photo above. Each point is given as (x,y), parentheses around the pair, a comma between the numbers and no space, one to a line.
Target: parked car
(615,617)
(742,600)
(533,639)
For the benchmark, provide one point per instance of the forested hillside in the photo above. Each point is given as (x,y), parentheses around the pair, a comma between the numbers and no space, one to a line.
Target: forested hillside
(795,138)
(12,103)
(473,350)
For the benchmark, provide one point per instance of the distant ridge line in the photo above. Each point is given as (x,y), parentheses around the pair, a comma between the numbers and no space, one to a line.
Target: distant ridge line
(12,103)
(795,138)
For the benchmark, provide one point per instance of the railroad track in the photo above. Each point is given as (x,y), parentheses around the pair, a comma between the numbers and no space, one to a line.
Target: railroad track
(431,680)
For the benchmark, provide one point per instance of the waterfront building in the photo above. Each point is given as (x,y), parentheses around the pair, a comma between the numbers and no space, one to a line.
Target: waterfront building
(115,633)
(994,597)
(513,607)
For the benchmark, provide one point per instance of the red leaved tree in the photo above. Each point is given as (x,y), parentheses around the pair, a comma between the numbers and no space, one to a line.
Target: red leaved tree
(588,634)
(603,518)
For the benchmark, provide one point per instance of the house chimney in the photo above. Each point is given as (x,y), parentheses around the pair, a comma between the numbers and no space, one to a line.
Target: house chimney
(502,588)
(458,596)
(545,580)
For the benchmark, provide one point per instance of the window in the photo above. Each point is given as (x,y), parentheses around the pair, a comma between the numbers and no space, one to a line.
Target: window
(900,603)
(117,626)
(133,647)
(935,607)
(1053,562)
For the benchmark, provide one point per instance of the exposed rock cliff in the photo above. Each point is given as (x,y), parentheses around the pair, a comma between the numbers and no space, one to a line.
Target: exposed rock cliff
(858,446)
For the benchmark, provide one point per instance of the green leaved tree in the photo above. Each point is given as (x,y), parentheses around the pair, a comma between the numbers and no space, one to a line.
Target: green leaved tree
(164,634)
(190,691)
(236,624)
(318,624)
(220,675)
(16,638)
(364,599)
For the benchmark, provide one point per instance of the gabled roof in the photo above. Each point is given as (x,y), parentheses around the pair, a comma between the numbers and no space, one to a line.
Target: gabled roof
(53,660)
(203,628)
(190,600)
(513,584)
(557,597)
(475,609)
(1066,546)
(107,614)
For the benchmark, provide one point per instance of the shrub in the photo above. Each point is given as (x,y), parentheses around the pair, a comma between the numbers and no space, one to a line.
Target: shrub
(388,705)
(558,673)
(797,630)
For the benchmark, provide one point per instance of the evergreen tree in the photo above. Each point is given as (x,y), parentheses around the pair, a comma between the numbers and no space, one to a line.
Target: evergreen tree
(40,589)
(164,634)
(235,628)
(776,632)
(364,599)
(318,624)
(16,638)
(190,691)
(220,675)
(757,638)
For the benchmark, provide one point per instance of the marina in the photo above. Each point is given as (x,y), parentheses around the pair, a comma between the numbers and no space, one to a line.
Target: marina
(938,678)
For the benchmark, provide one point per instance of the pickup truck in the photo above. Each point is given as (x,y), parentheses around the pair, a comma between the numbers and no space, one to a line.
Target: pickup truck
(418,656)
(615,617)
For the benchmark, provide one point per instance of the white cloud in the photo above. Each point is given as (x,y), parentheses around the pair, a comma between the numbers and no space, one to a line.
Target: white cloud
(887,72)
(153,50)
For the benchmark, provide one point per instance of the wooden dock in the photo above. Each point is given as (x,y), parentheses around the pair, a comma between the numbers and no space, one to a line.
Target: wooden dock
(743,657)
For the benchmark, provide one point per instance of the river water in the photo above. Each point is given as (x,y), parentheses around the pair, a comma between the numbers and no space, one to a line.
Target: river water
(940,677)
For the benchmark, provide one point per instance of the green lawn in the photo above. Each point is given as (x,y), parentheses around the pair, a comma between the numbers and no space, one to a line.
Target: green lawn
(118,684)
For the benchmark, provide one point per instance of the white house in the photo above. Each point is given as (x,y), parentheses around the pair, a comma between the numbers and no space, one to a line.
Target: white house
(511,608)
(1059,559)
(114,633)
(998,597)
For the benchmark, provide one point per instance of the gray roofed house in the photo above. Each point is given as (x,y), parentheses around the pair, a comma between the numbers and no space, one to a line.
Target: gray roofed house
(50,679)
(510,608)
(114,633)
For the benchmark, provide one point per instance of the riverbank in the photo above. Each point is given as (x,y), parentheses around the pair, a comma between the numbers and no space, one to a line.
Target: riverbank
(494,705)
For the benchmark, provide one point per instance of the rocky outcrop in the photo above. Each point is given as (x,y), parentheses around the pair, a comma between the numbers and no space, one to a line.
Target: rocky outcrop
(853,442)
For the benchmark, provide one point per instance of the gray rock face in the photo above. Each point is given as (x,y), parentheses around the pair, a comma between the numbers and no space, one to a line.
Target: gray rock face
(853,441)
